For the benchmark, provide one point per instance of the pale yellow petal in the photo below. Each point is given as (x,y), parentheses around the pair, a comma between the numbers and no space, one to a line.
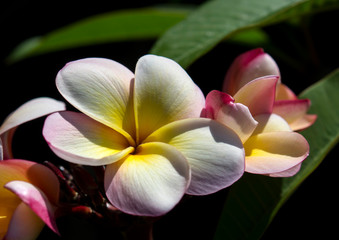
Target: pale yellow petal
(163,93)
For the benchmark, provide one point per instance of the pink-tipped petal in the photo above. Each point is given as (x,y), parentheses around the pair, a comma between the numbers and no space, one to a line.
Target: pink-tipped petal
(36,200)
(273,152)
(258,95)
(247,67)
(221,107)
(78,138)
(32,172)
(291,110)
(284,93)
(25,224)
(150,182)
(294,112)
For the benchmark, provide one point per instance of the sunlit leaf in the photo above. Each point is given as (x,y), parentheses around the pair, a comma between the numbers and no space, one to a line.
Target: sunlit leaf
(254,200)
(217,20)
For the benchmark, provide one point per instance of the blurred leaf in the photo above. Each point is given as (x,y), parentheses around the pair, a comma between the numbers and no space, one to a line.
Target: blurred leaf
(219,19)
(254,200)
(251,37)
(124,25)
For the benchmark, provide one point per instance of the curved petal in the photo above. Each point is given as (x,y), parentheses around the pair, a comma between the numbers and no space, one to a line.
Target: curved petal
(163,93)
(8,204)
(284,93)
(294,112)
(274,152)
(291,110)
(6,213)
(79,139)
(1,150)
(214,152)
(270,123)
(37,174)
(149,183)
(22,170)
(25,224)
(304,122)
(258,95)
(36,200)
(12,170)
(32,109)
(100,88)
(287,173)
(247,67)
(221,107)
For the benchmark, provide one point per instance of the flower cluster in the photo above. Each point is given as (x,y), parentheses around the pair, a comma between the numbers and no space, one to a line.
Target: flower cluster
(155,135)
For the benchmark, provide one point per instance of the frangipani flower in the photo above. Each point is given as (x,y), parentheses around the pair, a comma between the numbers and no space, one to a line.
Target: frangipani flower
(255,64)
(147,129)
(29,193)
(271,146)
(32,109)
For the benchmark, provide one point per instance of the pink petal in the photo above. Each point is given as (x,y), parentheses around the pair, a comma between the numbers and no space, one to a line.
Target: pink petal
(221,107)
(274,152)
(32,109)
(291,110)
(294,112)
(32,172)
(36,200)
(258,95)
(247,67)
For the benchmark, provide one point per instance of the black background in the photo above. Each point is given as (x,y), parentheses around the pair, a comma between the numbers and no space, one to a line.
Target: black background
(311,211)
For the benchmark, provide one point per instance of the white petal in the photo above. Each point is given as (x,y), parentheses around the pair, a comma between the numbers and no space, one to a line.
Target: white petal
(163,93)
(100,88)
(32,109)
(149,183)
(215,152)
(80,139)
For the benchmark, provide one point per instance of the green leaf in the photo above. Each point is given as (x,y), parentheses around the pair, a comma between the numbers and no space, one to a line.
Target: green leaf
(254,200)
(124,25)
(217,20)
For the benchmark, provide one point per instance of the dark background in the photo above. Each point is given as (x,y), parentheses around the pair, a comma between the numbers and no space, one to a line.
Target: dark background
(311,211)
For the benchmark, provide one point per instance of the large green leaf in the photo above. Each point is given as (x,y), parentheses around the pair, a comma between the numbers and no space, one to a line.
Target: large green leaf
(254,200)
(217,20)
(124,25)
